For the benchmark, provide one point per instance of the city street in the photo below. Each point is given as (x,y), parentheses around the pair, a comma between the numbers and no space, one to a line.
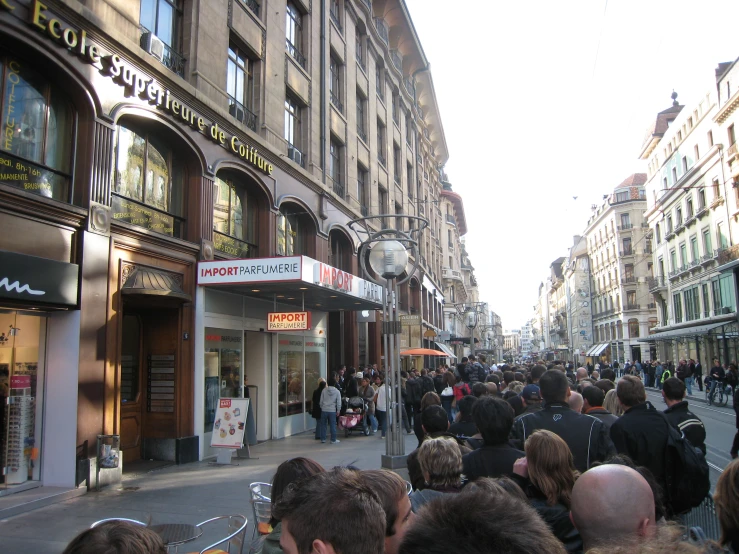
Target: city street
(720,430)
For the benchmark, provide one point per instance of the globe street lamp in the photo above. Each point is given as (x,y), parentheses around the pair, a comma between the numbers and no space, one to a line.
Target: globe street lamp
(386,253)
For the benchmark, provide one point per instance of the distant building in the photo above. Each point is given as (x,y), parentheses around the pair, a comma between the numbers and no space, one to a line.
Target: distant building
(579,304)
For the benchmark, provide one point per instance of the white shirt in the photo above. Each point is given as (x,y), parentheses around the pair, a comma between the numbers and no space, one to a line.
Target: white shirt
(381,399)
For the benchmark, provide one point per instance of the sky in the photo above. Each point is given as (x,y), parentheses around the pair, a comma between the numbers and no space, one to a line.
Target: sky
(545,106)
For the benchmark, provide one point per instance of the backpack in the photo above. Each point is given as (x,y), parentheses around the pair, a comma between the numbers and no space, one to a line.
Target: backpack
(427,385)
(686,473)
(412,392)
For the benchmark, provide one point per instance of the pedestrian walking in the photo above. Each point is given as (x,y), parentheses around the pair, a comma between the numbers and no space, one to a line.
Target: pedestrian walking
(330,409)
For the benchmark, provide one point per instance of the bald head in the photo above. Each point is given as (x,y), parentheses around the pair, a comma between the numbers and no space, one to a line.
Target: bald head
(612,504)
(582,373)
(575,401)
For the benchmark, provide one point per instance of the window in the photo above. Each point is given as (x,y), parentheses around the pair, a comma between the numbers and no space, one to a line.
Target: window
(731,134)
(409,132)
(685,165)
(692,304)
(697,153)
(669,224)
(707,248)
(294,34)
(634,328)
(694,248)
(382,203)
(290,233)
(728,302)
(336,153)
(409,181)
(677,307)
(674,175)
(362,191)
(163,18)
(335,13)
(38,126)
(627,247)
(715,188)
(689,207)
(701,198)
(336,84)
(293,131)
(361,117)
(710,139)
(380,82)
(381,144)
(683,255)
(234,219)
(359,50)
(706,301)
(721,236)
(240,87)
(628,271)
(673,260)
(397,161)
(396,107)
(148,173)
(678,216)
(657,234)
(625,221)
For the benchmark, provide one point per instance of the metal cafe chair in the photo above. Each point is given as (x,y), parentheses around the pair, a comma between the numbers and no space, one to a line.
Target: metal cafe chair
(234,541)
(134,521)
(261,503)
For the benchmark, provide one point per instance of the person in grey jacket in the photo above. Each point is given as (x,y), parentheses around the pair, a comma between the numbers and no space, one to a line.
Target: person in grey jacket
(330,409)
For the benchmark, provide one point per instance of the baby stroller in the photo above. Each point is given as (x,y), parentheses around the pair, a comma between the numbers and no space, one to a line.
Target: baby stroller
(354,416)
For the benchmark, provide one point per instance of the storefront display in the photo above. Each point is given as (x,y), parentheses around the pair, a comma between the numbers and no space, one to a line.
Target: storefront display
(20,429)
(223,370)
(300,365)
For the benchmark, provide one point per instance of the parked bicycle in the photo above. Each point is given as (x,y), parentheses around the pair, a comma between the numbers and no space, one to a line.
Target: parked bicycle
(719,394)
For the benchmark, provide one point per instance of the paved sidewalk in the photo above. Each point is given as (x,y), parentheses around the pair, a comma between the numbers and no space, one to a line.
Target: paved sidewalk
(189,493)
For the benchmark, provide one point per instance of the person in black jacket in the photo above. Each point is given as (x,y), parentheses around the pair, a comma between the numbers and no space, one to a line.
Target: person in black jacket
(678,414)
(593,398)
(641,433)
(315,410)
(494,419)
(586,435)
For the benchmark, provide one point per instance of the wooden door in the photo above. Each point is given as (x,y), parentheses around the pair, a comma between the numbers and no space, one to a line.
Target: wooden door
(131,385)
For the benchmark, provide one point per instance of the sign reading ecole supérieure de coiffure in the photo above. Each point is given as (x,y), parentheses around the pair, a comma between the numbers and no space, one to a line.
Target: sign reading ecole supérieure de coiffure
(135,82)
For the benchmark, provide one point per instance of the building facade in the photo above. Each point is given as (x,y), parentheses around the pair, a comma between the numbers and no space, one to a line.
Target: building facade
(578,301)
(181,170)
(620,250)
(692,205)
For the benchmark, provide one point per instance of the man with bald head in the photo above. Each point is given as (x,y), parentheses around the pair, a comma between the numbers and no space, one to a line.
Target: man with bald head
(581,374)
(612,504)
(575,401)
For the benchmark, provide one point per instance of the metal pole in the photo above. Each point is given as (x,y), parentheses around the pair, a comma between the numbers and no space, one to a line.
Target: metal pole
(398,417)
(389,375)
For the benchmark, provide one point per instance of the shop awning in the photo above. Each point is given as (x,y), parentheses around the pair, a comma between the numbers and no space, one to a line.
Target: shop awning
(597,350)
(694,331)
(444,348)
(463,340)
(147,281)
(293,280)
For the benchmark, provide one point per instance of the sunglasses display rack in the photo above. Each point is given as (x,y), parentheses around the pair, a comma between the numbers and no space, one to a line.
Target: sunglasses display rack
(19,417)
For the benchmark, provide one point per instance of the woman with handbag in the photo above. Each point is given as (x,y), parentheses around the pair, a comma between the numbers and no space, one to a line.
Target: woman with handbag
(447,394)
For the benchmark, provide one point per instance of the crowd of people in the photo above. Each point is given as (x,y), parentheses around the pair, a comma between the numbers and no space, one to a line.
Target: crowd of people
(522,459)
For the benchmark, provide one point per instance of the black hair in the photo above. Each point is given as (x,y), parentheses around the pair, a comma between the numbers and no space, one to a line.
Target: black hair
(434,419)
(674,388)
(465,405)
(493,418)
(553,386)
(594,395)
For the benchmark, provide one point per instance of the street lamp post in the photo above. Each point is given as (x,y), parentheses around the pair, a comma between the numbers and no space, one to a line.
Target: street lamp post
(386,252)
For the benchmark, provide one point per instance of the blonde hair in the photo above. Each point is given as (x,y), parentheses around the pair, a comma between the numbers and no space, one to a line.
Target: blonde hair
(727,503)
(516,386)
(551,467)
(611,403)
(441,459)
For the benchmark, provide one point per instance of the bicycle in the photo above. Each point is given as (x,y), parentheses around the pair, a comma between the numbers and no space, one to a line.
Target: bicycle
(724,395)
(718,395)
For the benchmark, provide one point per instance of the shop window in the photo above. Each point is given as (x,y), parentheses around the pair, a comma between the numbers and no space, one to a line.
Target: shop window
(234,219)
(148,182)
(300,362)
(37,133)
(223,372)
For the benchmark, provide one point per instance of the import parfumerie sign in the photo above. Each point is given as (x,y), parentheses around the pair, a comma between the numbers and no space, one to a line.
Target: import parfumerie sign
(134,81)
(288,321)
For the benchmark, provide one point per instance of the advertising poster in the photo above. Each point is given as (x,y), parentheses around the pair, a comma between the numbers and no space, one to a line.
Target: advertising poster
(228,428)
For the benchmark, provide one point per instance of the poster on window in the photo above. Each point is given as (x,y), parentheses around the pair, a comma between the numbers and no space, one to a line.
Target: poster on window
(228,428)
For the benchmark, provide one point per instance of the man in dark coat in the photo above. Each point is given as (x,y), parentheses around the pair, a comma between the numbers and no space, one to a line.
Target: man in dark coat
(641,433)
(586,435)
(493,417)
(678,414)
(593,405)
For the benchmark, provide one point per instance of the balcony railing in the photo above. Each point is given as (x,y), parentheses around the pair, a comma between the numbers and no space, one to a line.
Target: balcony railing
(629,279)
(339,189)
(625,226)
(361,133)
(381,27)
(171,59)
(651,306)
(450,219)
(242,113)
(336,101)
(397,60)
(253,5)
(631,307)
(657,282)
(295,53)
(626,252)
(410,87)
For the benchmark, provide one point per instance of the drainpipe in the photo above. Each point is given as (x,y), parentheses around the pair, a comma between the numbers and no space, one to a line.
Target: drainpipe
(323,91)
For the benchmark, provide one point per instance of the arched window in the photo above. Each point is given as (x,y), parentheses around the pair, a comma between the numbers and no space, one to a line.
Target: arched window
(634,328)
(296,231)
(340,251)
(37,132)
(234,218)
(148,181)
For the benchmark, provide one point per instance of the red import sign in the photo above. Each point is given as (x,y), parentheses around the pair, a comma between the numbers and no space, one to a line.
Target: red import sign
(20,382)
(288,321)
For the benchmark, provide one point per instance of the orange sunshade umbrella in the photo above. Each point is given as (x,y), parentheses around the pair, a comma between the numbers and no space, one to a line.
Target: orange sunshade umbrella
(423,352)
